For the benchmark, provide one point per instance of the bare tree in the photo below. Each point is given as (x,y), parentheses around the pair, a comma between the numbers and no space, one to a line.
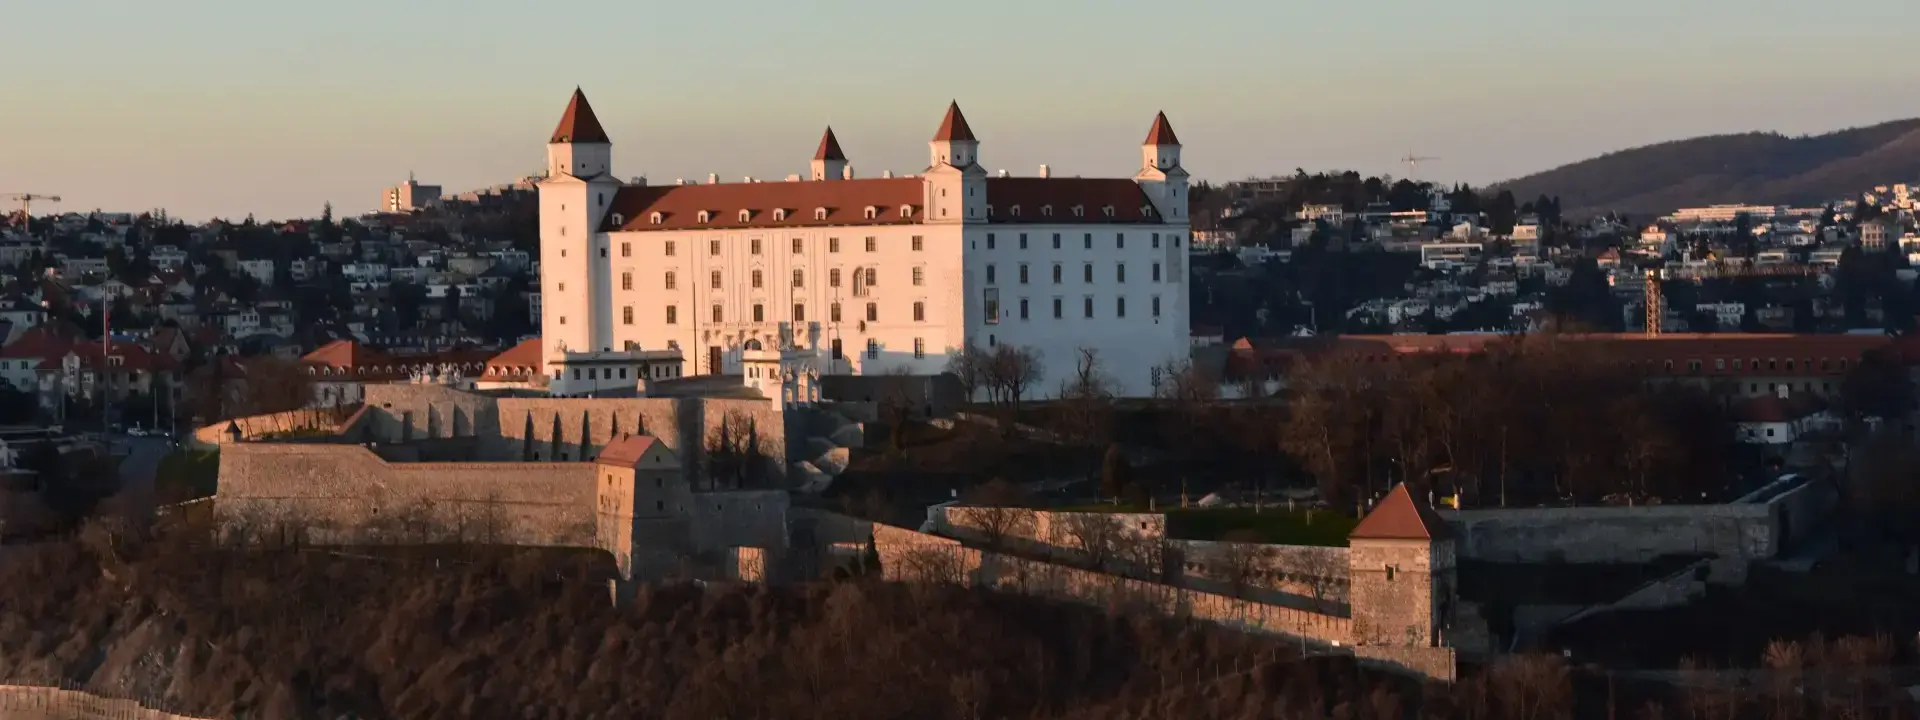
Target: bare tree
(1240,560)
(736,455)
(969,366)
(1097,536)
(995,510)
(1322,572)
(896,406)
(931,563)
(1532,686)
(1086,402)
(1010,373)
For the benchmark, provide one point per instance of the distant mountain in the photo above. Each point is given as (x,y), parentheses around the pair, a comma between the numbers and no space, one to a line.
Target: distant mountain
(1757,168)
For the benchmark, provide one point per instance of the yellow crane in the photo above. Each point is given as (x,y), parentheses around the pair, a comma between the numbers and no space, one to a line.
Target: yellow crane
(26,203)
(1413,162)
(1654,298)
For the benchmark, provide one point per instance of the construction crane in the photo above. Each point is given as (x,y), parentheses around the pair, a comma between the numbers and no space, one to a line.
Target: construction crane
(1655,299)
(1413,162)
(26,203)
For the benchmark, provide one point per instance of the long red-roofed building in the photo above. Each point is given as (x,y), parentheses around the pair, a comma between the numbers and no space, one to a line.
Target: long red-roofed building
(859,275)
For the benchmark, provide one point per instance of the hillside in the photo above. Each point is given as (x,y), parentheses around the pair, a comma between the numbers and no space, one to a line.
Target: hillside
(1757,168)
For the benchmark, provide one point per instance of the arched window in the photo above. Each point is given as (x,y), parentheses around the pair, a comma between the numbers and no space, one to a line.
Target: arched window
(1046,211)
(1014,211)
(746,215)
(704,216)
(820,213)
(906,211)
(654,218)
(872,212)
(779,214)
(619,220)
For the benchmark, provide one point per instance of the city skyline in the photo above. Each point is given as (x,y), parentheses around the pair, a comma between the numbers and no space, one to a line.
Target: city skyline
(225,109)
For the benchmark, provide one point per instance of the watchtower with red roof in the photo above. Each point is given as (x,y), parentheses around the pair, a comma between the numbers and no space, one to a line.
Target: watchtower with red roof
(1401,568)
(641,502)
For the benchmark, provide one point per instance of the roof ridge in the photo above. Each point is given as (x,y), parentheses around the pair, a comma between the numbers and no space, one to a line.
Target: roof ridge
(1400,516)
(953,127)
(578,124)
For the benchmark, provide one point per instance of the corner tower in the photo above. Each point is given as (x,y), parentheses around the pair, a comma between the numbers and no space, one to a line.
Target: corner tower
(829,162)
(956,184)
(1161,177)
(576,302)
(1401,570)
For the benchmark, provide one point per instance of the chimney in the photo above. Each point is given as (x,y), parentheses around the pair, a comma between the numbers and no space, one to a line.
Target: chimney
(713,178)
(1044,172)
(640,181)
(793,178)
(847,173)
(677,182)
(1003,173)
(886,174)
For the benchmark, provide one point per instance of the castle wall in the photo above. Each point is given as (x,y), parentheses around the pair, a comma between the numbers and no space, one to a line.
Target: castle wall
(30,702)
(756,518)
(1303,572)
(1614,534)
(1391,589)
(346,492)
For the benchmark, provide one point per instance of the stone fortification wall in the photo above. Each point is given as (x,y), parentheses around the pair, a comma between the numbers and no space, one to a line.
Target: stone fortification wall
(1041,529)
(349,491)
(1614,534)
(1317,575)
(317,421)
(29,702)
(754,518)
(1391,589)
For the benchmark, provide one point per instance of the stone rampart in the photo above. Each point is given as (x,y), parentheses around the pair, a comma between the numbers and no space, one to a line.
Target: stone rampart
(317,422)
(1304,572)
(30,702)
(1604,535)
(348,489)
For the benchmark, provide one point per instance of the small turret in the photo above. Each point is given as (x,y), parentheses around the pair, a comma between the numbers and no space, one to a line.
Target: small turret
(829,162)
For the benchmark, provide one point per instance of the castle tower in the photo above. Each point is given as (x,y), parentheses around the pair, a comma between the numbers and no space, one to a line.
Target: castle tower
(829,162)
(641,505)
(1401,570)
(956,184)
(575,289)
(1161,176)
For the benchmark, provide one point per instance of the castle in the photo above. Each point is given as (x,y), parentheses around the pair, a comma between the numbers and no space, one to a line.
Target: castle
(841,275)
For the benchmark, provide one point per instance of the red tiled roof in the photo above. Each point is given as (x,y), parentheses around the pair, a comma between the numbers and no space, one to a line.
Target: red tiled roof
(845,201)
(516,362)
(626,451)
(1161,133)
(41,341)
(1092,195)
(1716,354)
(93,357)
(953,127)
(346,354)
(578,124)
(829,147)
(1400,516)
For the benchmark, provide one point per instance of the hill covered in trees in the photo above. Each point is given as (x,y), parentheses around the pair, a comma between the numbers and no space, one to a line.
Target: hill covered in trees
(1758,167)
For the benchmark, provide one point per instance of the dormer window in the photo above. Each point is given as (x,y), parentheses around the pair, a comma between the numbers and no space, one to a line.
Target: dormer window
(989,211)
(1046,211)
(872,212)
(779,214)
(1146,210)
(1079,211)
(654,218)
(906,211)
(819,213)
(619,220)
(1108,210)
(704,216)
(746,215)
(1014,211)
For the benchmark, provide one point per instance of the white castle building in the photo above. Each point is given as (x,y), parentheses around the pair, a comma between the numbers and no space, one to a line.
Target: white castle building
(858,276)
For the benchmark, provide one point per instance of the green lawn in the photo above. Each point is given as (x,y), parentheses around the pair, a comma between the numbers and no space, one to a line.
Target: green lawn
(1323,528)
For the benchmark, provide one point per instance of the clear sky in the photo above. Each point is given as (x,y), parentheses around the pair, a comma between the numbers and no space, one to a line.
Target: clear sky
(225,107)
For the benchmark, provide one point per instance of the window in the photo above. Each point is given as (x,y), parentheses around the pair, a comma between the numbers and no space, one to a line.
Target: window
(1057,313)
(754,246)
(1120,272)
(799,313)
(917,243)
(1087,241)
(1023,273)
(669,248)
(563,319)
(1087,304)
(919,311)
(1120,306)
(991,311)
(873,349)
(746,215)
(1119,241)
(798,246)
(1086,274)
(716,313)
(990,278)
(1156,272)
(654,218)
(1176,238)
(919,349)
(626,249)
(626,281)
(563,288)
(755,279)
(670,280)
(989,241)
(705,216)
(873,312)
(1023,241)
(919,276)
(673,315)
(714,279)
(872,277)
(713,247)
(626,315)
(836,349)
(1156,241)
(759,312)
(833,312)
(872,246)
(820,213)
(1156,306)
(833,245)
(833,277)
(1720,363)
(799,278)
(1056,273)
(779,213)
(1023,308)
(872,212)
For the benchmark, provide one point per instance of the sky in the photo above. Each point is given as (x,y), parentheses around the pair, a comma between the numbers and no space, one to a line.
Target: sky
(273,108)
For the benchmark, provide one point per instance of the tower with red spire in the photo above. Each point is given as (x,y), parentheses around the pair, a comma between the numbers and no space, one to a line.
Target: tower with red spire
(575,302)
(829,162)
(1160,176)
(955,183)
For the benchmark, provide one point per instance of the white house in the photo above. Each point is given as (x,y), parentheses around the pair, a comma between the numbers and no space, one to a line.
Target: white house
(866,275)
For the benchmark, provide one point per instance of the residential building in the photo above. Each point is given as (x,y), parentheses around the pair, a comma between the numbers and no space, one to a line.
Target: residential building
(409,196)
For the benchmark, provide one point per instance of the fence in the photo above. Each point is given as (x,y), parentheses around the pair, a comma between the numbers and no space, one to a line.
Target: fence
(34,702)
